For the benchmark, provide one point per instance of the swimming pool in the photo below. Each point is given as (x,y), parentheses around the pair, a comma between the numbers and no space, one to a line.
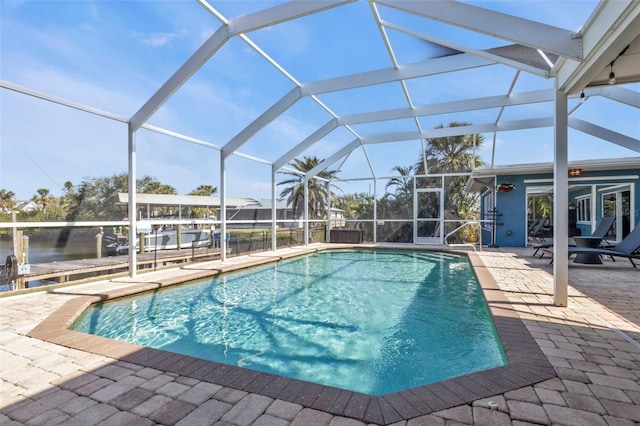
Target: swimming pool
(369,321)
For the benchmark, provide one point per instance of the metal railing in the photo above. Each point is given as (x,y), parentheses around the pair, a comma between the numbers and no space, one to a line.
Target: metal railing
(464,225)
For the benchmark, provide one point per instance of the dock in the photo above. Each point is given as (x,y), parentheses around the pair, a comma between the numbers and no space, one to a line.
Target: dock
(75,270)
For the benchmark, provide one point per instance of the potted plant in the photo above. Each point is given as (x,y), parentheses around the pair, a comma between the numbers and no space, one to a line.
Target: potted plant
(506,187)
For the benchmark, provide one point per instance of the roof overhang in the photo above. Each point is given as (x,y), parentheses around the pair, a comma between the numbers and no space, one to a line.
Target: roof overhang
(484,177)
(585,165)
(612,27)
(186,200)
(478,184)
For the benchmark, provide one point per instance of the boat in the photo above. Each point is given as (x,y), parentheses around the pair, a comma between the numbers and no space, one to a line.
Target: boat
(165,238)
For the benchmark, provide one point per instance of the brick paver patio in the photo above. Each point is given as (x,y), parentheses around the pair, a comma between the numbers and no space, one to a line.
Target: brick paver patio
(588,370)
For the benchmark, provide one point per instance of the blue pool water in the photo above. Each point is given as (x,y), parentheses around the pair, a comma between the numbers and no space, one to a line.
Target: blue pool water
(368,321)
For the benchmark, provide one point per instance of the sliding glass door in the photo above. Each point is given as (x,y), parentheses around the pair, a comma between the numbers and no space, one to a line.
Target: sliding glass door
(618,205)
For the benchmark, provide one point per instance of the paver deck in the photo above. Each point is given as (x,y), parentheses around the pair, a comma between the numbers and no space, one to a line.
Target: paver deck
(578,365)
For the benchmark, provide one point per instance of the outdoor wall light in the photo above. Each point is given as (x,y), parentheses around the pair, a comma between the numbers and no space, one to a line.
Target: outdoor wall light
(575,172)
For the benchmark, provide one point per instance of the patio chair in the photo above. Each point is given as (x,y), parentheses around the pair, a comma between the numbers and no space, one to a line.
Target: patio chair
(533,225)
(535,230)
(627,248)
(603,226)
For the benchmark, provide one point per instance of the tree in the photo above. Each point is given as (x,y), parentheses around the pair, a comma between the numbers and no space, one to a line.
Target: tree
(356,206)
(205,190)
(450,154)
(68,200)
(319,191)
(6,201)
(397,205)
(403,185)
(453,154)
(97,198)
(55,211)
(42,199)
(149,185)
(539,205)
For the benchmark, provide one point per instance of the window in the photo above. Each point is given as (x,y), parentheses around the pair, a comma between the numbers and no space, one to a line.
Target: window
(584,209)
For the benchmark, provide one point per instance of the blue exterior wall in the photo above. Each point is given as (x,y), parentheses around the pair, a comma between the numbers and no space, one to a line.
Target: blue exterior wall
(512,228)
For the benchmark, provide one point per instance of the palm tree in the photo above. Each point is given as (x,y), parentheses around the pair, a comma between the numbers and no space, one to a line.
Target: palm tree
(6,202)
(42,199)
(149,185)
(450,154)
(204,190)
(152,186)
(453,154)
(356,206)
(403,184)
(539,205)
(69,200)
(319,191)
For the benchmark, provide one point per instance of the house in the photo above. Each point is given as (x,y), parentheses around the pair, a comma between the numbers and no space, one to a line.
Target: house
(179,206)
(516,195)
(25,206)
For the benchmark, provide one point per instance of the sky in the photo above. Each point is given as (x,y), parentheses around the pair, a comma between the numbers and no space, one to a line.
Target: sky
(114,55)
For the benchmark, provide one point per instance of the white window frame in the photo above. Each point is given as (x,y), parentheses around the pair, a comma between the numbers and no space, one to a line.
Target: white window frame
(583,209)
(618,190)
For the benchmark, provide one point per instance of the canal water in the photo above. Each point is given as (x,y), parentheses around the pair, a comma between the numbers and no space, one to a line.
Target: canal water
(41,252)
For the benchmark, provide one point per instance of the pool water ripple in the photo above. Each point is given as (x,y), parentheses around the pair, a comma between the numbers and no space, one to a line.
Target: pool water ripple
(368,321)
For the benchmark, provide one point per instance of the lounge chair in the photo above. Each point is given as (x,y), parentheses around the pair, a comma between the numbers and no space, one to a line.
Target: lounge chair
(627,248)
(533,225)
(603,226)
(535,230)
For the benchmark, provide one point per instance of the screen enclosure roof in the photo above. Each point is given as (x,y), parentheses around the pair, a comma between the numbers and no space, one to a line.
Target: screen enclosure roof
(363,85)
(391,56)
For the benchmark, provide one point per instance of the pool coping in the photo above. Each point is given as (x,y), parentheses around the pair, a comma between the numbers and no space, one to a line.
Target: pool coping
(527,365)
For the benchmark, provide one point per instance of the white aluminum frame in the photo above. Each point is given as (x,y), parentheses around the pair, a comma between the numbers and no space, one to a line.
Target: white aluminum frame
(582,56)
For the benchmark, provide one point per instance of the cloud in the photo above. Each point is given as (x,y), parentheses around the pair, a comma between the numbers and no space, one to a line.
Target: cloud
(60,83)
(158,39)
